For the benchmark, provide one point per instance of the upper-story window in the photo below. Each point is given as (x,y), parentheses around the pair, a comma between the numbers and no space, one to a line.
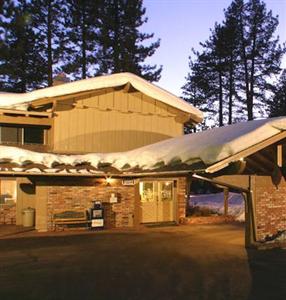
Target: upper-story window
(9,134)
(22,135)
(33,135)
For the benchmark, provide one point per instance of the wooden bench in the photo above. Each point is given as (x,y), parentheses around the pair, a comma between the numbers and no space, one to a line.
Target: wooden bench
(70,217)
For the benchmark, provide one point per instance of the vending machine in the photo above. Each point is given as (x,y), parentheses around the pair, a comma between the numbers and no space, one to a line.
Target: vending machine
(96,215)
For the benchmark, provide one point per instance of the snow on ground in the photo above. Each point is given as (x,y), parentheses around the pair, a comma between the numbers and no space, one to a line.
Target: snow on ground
(208,147)
(215,202)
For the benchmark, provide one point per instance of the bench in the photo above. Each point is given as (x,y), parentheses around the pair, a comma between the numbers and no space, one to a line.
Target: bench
(71,217)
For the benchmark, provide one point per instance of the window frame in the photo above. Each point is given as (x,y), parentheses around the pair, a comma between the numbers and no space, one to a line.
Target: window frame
(21,140)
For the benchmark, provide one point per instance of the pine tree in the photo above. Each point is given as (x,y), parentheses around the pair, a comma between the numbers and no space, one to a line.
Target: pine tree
(199,89)
(230,53)
(216,46)
(277,104)
(20,62)
(47,22)
(122,47)
(82,22)
(260,51)
(209,74)
(241,55)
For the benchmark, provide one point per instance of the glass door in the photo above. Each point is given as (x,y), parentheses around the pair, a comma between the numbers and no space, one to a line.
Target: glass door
(148,194)
(157,201)
(165,201)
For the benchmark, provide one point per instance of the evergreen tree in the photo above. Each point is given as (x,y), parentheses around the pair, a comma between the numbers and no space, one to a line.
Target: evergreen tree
(20,62)
(260,51)
(230,53)
(242,54)
(198,89)
(122,47)
(47,22)
(216,45)
(278,104)
(82,22)
(212,71)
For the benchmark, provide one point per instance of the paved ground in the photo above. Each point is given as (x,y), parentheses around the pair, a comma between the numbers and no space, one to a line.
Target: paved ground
(185,262)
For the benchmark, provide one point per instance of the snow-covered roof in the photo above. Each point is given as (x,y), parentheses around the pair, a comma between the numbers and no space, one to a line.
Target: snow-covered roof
(22,101)
(192,152)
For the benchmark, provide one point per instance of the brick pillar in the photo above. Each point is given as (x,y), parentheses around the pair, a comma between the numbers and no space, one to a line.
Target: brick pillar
(181,198)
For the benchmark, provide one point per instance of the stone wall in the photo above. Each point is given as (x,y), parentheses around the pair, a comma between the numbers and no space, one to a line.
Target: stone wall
(118,214)
(270,206)
(7,214)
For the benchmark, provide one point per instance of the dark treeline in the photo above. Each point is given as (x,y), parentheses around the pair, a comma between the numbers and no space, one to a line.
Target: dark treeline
(84,38)
(277,103)
(232,77)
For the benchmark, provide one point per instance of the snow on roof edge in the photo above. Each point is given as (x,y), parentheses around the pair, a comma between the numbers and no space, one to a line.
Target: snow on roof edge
(21,101)
(207,147)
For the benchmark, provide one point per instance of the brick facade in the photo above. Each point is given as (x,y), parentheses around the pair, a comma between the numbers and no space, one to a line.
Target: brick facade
(116,215)
(7,214)
(120,214)
(270,206)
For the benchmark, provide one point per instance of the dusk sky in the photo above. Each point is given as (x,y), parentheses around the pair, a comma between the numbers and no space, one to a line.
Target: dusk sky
(183,24)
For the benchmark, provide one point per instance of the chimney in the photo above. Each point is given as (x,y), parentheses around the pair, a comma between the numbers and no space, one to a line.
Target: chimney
(61,78)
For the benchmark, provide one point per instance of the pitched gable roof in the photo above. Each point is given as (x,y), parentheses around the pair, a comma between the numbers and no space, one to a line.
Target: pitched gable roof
(22,101)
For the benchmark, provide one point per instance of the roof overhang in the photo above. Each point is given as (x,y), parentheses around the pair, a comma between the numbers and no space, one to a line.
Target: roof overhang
(101,82)
(245,153)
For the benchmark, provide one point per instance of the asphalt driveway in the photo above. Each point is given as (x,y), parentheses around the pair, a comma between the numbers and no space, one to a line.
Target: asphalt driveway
(184,262)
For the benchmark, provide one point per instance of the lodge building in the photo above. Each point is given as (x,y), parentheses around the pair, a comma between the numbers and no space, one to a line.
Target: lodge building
(121,137)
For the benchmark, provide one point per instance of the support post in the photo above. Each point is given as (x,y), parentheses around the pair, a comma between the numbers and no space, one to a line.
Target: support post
(41,222)
(225,197)
(279,156)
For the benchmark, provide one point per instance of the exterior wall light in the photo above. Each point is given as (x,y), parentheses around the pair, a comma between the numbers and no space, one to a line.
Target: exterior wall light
(108,180)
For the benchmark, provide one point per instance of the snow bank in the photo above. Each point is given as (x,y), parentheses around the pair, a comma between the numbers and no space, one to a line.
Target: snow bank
(215,202)
(207,147)
(21,101)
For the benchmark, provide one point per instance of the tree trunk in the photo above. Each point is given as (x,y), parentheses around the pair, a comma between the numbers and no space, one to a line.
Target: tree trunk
(24,63)
(252,71)
(246,77)
(83,40)
(49,42)
(116,39)
(230,100)
(220,99)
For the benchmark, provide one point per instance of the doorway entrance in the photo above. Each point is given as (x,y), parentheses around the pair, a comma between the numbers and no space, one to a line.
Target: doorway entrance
(157,201)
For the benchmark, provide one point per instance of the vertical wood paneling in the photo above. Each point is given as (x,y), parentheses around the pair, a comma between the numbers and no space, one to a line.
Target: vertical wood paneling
(148,105)
(114,121)
(134,102)
(122,101)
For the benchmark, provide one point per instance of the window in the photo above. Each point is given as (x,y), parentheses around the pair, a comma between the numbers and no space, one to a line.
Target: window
(147,191)
(10,134)
(33,135)
(8,191)
(22,135)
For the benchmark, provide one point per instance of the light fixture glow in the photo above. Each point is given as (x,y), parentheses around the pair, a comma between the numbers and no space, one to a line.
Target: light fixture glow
(108,180)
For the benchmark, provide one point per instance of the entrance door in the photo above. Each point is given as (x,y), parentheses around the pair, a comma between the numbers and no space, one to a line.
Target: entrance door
(157,201)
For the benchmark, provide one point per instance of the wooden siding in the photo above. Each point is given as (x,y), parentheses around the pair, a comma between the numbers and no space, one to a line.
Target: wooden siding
(25,120)
(114,121)
(25,197)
